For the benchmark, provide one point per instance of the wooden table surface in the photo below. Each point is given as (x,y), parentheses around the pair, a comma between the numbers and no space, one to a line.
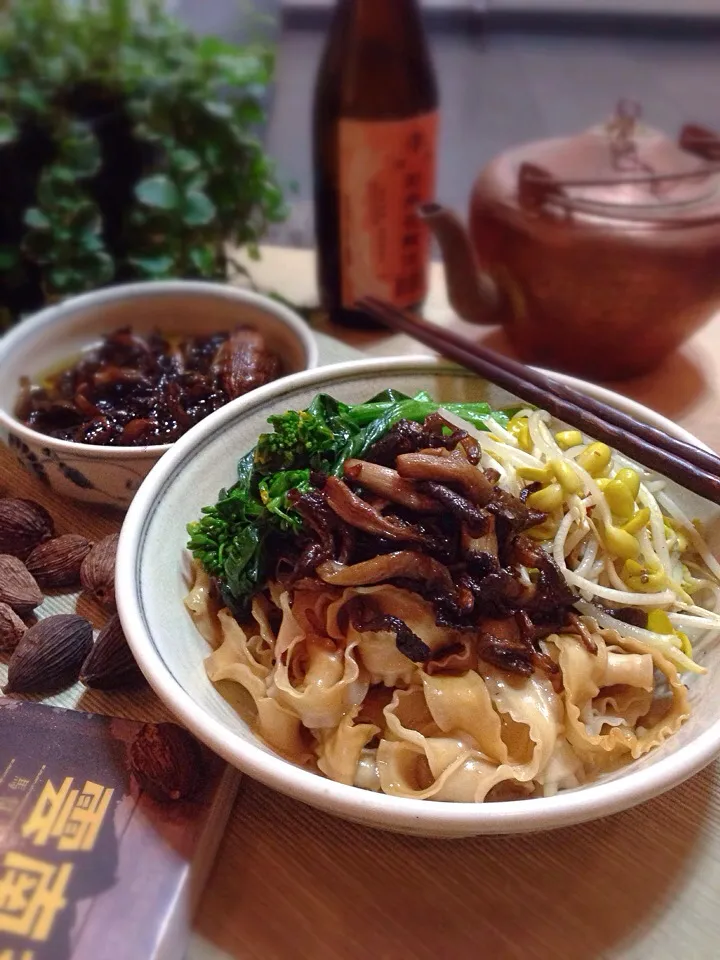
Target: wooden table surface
(291,883)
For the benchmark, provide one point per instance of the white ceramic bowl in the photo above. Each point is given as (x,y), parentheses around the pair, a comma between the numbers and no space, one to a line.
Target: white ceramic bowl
(111,475)
(151,582)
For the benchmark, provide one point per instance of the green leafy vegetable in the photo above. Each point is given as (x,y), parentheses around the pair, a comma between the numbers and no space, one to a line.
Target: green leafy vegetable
(237,538)
(300,439)
(273,493)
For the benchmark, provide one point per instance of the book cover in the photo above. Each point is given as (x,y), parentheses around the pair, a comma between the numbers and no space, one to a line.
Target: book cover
(108,829)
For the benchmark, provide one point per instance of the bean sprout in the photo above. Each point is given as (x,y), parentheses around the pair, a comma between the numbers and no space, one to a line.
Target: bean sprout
(660,641)
(678,564)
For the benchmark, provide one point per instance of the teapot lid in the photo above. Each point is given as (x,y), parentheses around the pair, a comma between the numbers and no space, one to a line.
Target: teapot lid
(624,170)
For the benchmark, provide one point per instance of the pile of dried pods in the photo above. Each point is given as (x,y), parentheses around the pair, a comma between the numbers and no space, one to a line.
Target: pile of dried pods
(55,651)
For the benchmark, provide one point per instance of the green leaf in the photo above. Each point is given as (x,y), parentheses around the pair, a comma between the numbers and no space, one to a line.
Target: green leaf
(145,132)
(84,217)
(240,68)
(120,17)
(203,259)
(185,160)
(158,266)
(81,152)
(55,70)
(212,154)
(140,111)
(158,192)
(91,242)
(197,181)
(30,97)
(8,129)
(36,219)
(65,279)
(241,565)
(273,492)
(62,174)
(193,104)
(249,111)
(104,268)
(198,209)
(219,108)
(210,47)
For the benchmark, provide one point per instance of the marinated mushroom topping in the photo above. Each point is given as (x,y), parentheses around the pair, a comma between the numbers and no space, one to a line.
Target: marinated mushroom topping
(143,391)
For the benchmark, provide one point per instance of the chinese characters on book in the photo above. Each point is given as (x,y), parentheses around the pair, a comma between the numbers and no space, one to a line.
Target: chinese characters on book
(50,823)
(92,866)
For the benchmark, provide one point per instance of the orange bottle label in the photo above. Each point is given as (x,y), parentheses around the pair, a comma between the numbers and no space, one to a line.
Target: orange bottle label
(387,169)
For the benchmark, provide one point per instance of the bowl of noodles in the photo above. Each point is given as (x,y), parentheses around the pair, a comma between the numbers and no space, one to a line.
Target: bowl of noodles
(397,593)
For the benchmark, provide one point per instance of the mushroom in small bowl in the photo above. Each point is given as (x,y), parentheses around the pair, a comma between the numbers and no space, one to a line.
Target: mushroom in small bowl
(95,390)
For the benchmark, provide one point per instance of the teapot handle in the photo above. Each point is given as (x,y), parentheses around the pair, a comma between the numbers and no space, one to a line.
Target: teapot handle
(702,141)
(537,188)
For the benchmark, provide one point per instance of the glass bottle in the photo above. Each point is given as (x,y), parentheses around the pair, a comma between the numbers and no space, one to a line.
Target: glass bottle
(375,145)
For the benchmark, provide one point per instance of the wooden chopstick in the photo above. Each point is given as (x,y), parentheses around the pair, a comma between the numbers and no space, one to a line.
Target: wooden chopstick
(650,447)
(704,459)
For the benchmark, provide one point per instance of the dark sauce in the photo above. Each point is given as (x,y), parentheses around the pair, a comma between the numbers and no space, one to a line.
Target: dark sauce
(144,391)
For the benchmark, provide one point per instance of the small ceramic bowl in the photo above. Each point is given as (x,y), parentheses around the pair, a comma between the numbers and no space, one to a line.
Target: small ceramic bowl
(152,581)
(111,475)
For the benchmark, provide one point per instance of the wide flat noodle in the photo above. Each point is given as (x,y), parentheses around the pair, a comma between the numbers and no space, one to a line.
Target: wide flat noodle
(377,650)
(282,729)
(463,776)
(290,630)
(261,616)
(310,608)
(462,705)
(203,608)
(339,750)
(243,660)
(630,669)
(348,703)
(617,705)
(536,712)
(381,658)
(328,682)
(583,674)
(416,763)
(234,659)
(366,774)
(564,769)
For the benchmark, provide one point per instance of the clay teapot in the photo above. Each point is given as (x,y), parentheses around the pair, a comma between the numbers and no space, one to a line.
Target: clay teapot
(599,253)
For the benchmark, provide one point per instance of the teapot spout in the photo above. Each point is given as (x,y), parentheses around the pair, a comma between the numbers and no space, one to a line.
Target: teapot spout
(473,294)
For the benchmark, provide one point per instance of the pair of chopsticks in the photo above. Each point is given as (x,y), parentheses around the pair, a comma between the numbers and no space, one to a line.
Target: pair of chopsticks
(690,466)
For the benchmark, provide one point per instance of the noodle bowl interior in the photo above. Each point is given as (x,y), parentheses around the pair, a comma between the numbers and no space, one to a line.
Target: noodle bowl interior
(451,603)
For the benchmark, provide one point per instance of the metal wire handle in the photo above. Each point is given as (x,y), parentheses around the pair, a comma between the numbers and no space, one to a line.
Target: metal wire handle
(536,185)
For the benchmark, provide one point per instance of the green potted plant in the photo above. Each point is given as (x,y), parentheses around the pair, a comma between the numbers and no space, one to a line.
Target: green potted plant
(129,149)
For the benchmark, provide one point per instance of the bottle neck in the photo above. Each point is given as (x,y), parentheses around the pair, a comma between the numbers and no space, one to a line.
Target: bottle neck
(376,62)
(383,18)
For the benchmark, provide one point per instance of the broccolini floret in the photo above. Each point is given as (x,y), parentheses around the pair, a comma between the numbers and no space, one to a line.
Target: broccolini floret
(300,440)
